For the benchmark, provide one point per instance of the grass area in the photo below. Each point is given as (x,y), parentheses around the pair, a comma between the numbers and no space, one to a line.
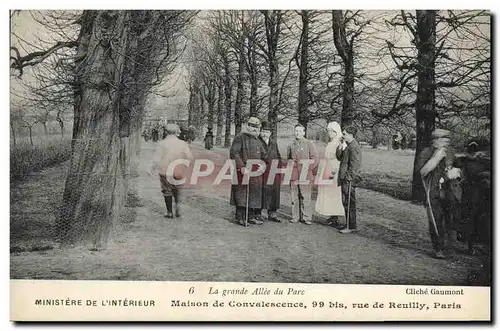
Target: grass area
(388,172)
(26,159)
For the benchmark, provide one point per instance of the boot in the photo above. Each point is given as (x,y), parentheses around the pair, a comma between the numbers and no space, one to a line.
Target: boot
(168,204)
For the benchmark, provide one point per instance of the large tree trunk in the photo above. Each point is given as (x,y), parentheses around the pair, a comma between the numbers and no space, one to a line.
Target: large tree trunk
(211,104)
(272,116)
(190,105)
(30,128)
(304,71)
(202,113)
(253,75)
(13,133)
(239,86)
(272,23)
(45,128)
(344,48)
(220,111)
(90,197)
(228,91)
(425,103)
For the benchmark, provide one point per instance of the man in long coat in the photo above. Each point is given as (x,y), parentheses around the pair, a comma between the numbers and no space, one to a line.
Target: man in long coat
(271,194)
(247,146)
(434,164)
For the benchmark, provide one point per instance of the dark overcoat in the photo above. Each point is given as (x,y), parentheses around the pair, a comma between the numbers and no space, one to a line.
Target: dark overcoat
(271,196)
(245,147)
(350,163)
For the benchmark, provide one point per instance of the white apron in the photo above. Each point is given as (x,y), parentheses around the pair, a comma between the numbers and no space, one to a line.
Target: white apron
(329,200)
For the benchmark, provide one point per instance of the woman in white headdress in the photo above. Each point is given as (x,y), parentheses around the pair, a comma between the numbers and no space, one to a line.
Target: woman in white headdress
(329,200)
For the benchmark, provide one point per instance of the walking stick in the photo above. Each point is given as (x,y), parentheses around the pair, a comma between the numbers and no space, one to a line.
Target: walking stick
(348,205)
(429,207)
(248,194)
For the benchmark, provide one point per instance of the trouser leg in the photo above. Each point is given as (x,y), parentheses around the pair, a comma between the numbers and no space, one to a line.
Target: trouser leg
(295,201)
(349,202)
(306,207)
(437,238)
(168,203)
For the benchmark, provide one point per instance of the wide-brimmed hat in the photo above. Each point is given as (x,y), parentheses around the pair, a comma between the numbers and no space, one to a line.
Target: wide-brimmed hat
(254,122)
(266,126)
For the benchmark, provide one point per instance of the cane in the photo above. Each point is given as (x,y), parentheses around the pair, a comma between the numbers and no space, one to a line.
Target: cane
(248,194)
(429,207)
(348,205)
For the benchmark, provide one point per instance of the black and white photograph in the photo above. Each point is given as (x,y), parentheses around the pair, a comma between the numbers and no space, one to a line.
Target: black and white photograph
(281,146)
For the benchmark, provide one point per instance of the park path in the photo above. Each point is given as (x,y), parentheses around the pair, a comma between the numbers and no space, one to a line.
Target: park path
(392,246)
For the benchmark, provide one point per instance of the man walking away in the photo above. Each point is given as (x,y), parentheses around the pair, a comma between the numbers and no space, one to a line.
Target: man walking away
(349,155)
(170,149)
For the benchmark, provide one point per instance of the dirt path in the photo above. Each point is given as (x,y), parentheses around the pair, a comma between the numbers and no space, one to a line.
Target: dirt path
(391,248)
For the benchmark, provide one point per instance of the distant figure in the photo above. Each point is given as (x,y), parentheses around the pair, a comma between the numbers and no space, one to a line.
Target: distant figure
(404,142)
(170,149)
(190,134)
(165,133)
(145,134)
(183,135)
(155,134)
(396,141)
(209,139)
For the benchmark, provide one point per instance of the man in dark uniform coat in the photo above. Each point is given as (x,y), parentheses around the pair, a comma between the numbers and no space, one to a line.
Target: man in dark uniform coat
(271,194)
(155,133)
(434,164)
(246,145)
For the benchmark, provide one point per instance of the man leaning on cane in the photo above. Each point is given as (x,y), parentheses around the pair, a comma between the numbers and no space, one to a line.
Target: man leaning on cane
(435,165)
(349,155)
(247,198)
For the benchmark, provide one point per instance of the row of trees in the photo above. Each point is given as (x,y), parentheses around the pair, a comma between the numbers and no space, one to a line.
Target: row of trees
(382,71)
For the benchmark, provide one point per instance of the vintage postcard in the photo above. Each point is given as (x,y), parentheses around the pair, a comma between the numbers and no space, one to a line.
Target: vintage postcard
(250,165)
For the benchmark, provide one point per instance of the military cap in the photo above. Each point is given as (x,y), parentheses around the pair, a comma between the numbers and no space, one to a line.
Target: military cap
(266,126)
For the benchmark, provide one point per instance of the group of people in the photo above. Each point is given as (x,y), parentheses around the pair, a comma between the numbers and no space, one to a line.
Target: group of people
(258,199)
(342,167)
(457,192)
(159,132)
